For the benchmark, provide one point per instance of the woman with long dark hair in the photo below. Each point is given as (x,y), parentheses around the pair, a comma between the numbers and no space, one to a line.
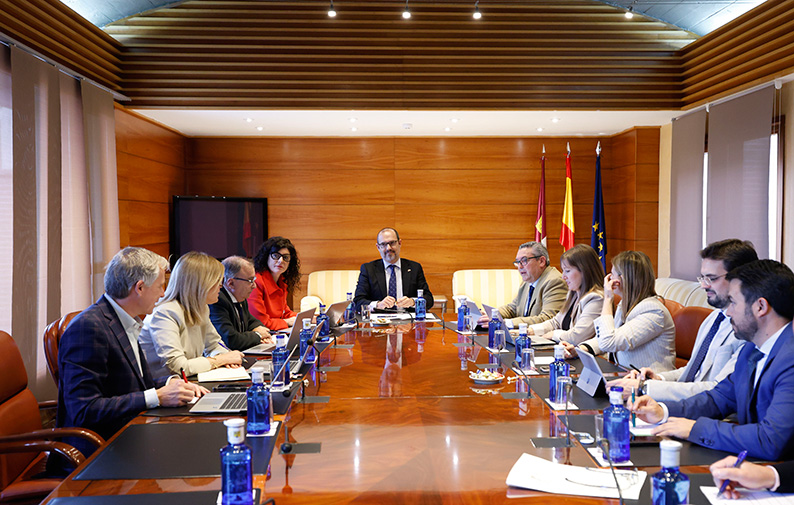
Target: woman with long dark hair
(277,273)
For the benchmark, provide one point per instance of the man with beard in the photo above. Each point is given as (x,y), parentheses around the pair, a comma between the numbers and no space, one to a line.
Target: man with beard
(391,282)
(716,348)
(760,391)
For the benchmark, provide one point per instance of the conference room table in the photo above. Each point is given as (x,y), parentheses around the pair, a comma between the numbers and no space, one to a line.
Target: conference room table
(388,415)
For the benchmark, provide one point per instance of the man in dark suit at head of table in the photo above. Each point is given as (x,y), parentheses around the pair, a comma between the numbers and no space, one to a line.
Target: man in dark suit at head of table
(391,282)
(104,377)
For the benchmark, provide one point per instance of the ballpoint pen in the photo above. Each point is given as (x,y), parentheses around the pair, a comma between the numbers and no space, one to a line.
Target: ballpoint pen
(184,377)
(739,461)
(633,414)
(636,369)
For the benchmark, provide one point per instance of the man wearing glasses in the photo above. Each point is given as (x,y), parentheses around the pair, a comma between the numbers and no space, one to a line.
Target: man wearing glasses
(391,282)
(543,291)
(230,316)
(716,347)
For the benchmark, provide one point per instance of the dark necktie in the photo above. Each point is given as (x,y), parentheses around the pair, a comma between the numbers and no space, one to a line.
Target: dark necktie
(240,318)
(393,281)
(752,362)
(529,300)
(704,349)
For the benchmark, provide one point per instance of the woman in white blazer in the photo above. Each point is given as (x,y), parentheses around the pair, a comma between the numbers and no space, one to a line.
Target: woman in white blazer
(583,273)
(641,331)
(179,335)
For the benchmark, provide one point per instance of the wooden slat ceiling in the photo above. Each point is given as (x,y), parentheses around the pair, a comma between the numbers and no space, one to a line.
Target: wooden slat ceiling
(522,54)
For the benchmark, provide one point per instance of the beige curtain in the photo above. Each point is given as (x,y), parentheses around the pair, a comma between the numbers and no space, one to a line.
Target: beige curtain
(60,204)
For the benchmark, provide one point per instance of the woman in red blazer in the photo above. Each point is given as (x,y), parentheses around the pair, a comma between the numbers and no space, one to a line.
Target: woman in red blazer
(277,273)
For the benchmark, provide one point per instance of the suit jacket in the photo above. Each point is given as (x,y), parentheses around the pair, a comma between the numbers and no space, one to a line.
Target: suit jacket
(100,386)
(371,285)
(718,364)
(584,312)
(235,332)
(547,299)
(785,471)
(765,425)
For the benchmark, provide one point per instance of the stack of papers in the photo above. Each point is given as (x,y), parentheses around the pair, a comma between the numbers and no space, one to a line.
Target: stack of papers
(224,374)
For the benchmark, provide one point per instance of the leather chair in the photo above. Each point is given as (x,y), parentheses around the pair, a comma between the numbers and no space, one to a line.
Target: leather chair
(24,445)
(672,306)
(52,340)
(687,323)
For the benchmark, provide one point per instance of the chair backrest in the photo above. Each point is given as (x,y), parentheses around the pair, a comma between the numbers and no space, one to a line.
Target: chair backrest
(52,340)
(687,323)
(19,411)
(495,287)
(673,307)
(685,292)
(329,286)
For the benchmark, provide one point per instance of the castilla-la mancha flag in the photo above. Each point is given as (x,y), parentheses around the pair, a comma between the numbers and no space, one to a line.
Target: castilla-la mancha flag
(566,234)
(540,220)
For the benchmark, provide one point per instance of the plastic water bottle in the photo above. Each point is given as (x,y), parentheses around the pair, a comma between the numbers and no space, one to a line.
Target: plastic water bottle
(420,305)
(521,342)
(306,335)
(280,356)
(323,322)
(558,368)
(350,310)
(236,475)
(258,411)
(616,426)
(494,325)
(463,314)
(669,486)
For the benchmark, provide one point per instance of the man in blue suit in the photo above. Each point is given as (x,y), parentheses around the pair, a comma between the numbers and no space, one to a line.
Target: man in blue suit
(104,378)
(760,391)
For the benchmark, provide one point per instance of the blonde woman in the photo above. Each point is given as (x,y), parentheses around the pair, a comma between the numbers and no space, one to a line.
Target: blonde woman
(641,331)
(179,335)
(583,273)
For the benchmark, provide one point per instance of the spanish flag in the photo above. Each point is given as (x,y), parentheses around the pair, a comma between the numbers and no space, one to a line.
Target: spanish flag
(540,220)
(566,234)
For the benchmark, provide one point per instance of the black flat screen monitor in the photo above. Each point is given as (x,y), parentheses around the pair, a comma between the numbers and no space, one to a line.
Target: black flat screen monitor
(219,226)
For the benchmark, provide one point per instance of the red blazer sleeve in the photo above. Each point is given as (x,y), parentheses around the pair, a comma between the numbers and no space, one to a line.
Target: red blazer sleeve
(262,306)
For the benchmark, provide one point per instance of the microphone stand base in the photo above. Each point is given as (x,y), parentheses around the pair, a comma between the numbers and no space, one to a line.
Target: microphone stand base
(303,448)
(549,442)
(517,395)
(314,399)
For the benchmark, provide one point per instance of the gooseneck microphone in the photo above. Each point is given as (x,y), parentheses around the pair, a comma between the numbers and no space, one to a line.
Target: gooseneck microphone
(605,448)
(516,368)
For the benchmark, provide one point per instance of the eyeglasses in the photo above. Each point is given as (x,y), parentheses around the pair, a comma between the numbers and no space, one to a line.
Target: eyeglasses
(275,256)
(390,243)
(249,281)
(523,261)
(708,280)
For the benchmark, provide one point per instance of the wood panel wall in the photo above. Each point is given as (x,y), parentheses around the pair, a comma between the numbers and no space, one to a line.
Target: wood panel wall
(151,168)
(457,202)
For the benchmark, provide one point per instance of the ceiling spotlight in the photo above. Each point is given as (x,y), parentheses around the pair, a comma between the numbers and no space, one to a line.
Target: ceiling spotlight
(630,13)
(260,128)
(447,129)
(354,129)
(540,129)
(477,14)
(555,120)
(249,120)
(331,10)
(353,119)
(454,120)
(406,12)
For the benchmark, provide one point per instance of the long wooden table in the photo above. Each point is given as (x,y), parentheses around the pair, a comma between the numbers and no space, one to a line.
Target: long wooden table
(404,424)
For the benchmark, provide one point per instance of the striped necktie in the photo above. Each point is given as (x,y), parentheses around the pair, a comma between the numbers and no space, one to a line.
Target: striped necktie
(393,281)
(704,349)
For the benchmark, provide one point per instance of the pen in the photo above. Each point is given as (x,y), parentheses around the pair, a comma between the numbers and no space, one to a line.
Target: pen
(636,369)
(633,414)
(184,377)
(739,461)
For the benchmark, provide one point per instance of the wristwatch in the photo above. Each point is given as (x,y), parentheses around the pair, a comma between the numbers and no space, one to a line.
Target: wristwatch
(643,388)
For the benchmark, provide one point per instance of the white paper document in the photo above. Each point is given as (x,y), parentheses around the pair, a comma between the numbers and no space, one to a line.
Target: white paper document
(560,406)
(544,360)
(224,374)
(642,429)
(598,455)
(531,472)
(754,497)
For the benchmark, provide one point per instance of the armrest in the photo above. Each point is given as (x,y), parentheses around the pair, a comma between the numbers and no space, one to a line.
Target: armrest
(66,450)
(48,404)
(51,433)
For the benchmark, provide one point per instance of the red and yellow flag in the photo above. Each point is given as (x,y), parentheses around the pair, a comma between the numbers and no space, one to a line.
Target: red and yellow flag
(540,219)
(566,234)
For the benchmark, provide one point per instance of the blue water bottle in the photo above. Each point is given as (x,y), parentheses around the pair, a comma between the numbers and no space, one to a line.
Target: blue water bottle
(305,336)
(558,368)
(463,313)
(669,486)
(258,410)
(494,325)
(323,322)
(350,310)
(280,356)
(236,475)
(420,305)
(521,341)
(616,426)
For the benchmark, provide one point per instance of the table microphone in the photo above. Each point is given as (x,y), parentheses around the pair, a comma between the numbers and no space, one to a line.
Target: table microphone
(518,370)
(604,442)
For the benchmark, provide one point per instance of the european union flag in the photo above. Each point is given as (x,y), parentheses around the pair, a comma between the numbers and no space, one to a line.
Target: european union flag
(598,235)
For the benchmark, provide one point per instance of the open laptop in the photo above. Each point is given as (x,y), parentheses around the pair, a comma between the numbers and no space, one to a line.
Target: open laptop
(335,312)
(591,379)
(294,335)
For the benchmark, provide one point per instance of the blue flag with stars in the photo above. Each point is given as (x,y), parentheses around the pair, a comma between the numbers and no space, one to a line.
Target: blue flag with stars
(598,235)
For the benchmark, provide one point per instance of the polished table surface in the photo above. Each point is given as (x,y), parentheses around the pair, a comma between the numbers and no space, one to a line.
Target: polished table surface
(404,424)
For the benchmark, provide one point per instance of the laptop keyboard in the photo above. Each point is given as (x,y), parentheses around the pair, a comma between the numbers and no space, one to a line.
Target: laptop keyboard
(235,401)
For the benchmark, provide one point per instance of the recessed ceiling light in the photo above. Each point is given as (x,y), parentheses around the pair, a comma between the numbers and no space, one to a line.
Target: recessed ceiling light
(353,119)
(407,126)
(447,129)
(249,120)
(555,120)
(540,129)
(260,128)
(354,129)
(454,120)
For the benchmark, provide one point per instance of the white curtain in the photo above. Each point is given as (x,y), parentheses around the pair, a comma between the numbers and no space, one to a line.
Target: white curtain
(58,200)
